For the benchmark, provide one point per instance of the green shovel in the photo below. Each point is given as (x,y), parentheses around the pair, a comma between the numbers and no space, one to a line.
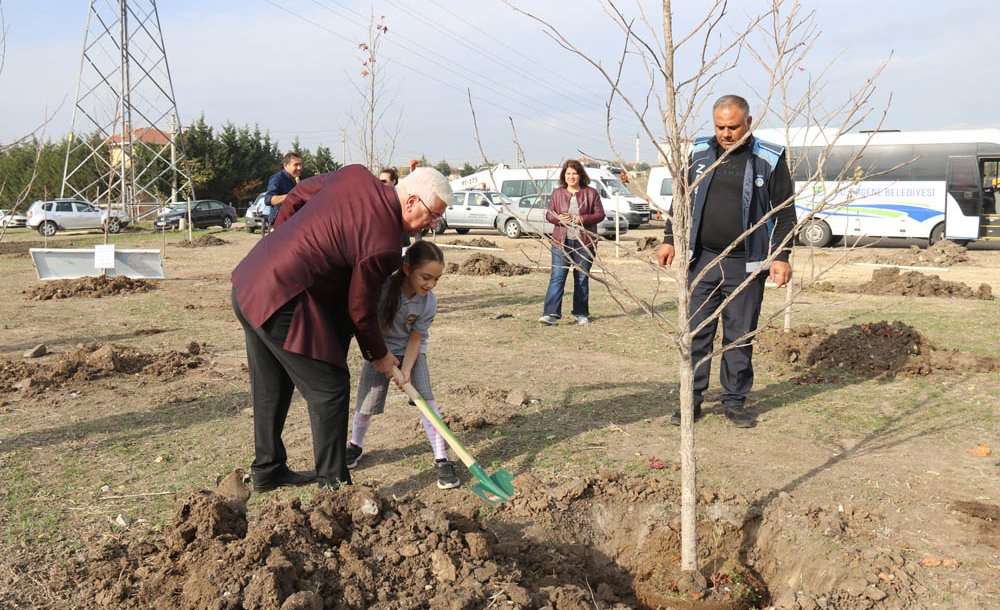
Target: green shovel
(493,489)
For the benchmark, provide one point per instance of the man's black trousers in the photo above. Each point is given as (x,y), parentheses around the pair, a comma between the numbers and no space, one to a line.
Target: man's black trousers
(274,374)
(738,318)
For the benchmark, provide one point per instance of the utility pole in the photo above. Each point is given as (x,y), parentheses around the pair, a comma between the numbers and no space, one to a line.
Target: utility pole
(343,143)
(114,92)
(637,159)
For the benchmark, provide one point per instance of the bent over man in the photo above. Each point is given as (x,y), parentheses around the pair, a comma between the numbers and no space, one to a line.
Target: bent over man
(305,291)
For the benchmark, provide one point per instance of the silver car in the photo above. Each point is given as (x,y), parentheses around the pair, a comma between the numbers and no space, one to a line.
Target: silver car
(527,215)
(473,210)
(48,217)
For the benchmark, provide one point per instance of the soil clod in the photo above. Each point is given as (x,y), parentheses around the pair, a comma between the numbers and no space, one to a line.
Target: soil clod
(892,281)
(487,264)
(866,350)
(202,242)
(94,287)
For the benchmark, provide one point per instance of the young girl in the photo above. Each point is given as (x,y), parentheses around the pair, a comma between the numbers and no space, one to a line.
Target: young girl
(406,313)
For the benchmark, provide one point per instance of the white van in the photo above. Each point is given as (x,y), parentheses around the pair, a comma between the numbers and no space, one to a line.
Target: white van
(516,183)
(660,188)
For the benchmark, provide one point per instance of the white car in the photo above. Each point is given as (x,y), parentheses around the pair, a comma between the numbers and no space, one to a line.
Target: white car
(527,215)
(7,219)
(473,210)
(50,217)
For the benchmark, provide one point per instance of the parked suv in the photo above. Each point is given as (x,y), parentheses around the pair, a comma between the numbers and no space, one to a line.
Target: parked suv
(473,210)
(204,213)
(49,217)
(527,215)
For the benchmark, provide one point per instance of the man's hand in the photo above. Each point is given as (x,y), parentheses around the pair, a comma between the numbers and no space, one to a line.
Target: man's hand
(781,273)
(565,218)
(385,364)
(665,255)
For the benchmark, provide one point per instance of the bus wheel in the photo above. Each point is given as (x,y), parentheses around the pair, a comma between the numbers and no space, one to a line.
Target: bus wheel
(815,234)
(937,234)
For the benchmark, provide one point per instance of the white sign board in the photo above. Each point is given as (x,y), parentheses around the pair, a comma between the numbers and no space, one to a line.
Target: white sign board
(104,256)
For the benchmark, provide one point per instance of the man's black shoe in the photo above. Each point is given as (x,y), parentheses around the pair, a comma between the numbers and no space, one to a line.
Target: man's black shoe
(675,419)
(739,415)
(285,478)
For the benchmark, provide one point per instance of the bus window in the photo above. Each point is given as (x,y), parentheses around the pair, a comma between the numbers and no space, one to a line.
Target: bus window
(667,187)
(991,183)
(963,184)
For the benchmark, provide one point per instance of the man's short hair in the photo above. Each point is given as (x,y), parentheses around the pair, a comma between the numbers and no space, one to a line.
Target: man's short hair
(393,174)
(426,183)
(288,158)
(732,100)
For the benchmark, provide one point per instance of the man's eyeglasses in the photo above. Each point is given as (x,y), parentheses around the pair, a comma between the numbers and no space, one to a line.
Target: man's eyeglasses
(434,215)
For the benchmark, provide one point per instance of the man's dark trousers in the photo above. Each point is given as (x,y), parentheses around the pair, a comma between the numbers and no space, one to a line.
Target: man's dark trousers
(274,374)
(738,318)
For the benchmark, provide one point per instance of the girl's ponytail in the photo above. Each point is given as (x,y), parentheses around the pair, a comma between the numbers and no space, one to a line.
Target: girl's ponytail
(416,255)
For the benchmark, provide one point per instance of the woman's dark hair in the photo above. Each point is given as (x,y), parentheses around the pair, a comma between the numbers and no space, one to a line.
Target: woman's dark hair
(416,255)
(393,174)
(584,178)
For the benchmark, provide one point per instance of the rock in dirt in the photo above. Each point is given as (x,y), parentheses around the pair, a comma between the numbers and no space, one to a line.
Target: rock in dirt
(203,242)
(517,398)
(95,287)
(303,600)
(487,264)
(37,352)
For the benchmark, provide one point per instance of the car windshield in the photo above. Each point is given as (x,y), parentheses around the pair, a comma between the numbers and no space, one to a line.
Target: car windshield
(615,187)
(499,199)
(180,206)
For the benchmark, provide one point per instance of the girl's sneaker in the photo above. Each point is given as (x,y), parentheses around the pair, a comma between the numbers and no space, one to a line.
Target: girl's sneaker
(353,455)
(447,477)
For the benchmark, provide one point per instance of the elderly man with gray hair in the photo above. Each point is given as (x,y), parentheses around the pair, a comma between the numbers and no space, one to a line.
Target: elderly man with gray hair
(306,290)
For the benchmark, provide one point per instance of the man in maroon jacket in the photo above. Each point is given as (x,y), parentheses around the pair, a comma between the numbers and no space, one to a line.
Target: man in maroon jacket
(303,292)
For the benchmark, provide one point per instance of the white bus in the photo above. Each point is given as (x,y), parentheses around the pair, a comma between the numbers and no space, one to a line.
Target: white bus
(929,185)
(518,182)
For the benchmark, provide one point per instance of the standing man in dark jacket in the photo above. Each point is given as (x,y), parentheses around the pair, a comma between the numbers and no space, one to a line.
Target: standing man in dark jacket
(302,293)
(282,183)
(749,183)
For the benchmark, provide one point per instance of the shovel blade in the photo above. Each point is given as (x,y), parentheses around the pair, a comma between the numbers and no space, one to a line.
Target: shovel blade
(493,489)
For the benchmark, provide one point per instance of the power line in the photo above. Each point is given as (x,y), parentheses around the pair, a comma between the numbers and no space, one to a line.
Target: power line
(450,85)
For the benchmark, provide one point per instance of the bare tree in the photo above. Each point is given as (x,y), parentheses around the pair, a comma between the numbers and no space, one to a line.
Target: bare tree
(778,41)
(376,139)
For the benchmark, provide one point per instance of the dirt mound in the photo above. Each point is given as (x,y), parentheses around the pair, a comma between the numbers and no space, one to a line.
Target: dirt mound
(867,350)
(487,264)
(607,541)
(478,242)
(473,407)
(942,254)
(94,287)
(892,281)
(647,243)
(203,242)
(93,361)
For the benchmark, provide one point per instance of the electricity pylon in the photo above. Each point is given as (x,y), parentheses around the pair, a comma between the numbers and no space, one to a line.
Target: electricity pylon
(124,147)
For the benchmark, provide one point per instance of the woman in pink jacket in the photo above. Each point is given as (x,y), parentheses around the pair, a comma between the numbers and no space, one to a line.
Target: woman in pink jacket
(575,209)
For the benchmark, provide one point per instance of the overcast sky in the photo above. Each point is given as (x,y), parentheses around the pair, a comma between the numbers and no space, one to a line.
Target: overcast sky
(291,66)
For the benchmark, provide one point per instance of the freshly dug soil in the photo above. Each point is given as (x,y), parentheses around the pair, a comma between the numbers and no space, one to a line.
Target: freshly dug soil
(942,254)
(202,242)
(94,361)
(607,541)
(487,264)
(95,287)
(647,243)
(866,350)
(478,242)
(891,281)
